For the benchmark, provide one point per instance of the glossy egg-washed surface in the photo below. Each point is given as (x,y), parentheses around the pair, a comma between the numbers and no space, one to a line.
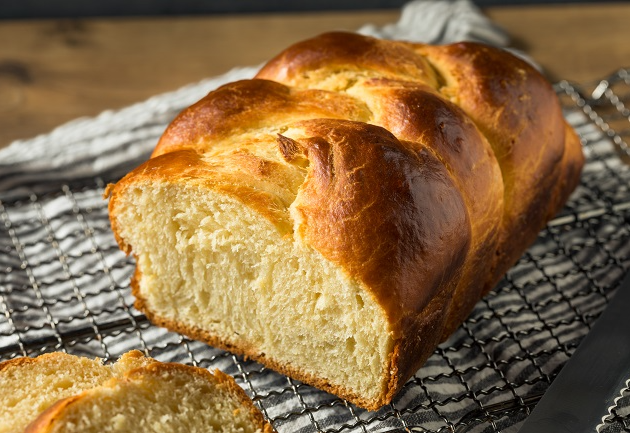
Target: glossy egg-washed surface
(423,171)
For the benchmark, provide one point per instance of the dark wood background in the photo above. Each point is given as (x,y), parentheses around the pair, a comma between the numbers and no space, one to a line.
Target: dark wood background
(55,69)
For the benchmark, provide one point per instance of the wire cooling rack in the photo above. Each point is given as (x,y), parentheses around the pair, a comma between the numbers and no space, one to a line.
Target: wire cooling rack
(64,285)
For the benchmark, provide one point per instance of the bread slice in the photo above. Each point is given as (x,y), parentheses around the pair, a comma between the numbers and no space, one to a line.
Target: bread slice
(338,216)
(58,392)
(161,398)
(31,385)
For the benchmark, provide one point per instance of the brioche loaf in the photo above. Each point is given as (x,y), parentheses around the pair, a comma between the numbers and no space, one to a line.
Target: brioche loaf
(64,393)
(338,216)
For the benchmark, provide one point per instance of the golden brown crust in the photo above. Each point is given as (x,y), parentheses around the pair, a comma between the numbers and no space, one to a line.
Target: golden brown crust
(336,52)
(367,211)
(518,112)
(250,104)
(424,172)
(418,114)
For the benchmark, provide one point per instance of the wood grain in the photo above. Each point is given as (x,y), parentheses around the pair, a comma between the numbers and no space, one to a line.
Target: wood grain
(53,71)
(572,42)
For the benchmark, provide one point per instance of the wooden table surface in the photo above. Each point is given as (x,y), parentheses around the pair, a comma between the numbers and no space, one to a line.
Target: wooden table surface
(52,71)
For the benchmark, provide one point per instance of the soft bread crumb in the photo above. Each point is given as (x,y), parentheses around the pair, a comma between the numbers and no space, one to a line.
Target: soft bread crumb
(250,286)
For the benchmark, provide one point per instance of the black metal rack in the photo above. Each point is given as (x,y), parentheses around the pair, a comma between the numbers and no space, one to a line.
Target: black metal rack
(64,285)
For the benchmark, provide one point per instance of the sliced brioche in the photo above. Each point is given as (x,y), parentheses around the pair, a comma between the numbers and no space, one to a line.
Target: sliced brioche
(58,392)
(160,398)
(31,385)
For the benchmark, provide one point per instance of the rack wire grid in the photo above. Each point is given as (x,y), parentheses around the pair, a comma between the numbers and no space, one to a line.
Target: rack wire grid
(64,286)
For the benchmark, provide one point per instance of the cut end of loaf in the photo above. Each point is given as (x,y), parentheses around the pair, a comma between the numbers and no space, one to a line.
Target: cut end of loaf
(211,267)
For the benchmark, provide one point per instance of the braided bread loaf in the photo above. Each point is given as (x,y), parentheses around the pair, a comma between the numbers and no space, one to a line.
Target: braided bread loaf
(339,216)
